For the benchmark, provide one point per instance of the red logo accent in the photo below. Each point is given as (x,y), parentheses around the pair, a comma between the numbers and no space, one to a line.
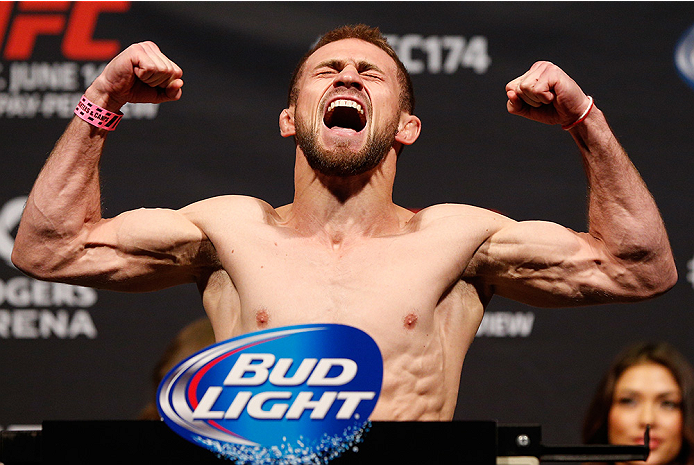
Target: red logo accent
(76,21)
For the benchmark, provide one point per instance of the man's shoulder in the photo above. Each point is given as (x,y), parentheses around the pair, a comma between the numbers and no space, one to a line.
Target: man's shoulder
(459,224)
(455,212)
(233,207)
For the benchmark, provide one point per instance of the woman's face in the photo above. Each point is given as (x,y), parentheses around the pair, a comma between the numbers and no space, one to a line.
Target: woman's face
(647,394)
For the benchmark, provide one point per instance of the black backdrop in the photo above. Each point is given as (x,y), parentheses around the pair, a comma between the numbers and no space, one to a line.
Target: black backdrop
(70,353)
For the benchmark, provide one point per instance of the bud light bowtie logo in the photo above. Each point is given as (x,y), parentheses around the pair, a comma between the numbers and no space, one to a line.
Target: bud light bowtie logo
(298,394)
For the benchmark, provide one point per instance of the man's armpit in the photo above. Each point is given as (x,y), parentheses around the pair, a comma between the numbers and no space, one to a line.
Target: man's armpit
(208,258)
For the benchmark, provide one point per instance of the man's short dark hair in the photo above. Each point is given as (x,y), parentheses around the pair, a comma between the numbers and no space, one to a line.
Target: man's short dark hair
(368,34)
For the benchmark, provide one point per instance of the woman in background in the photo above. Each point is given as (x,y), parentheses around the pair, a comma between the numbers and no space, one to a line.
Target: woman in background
(647,384)
(191,339)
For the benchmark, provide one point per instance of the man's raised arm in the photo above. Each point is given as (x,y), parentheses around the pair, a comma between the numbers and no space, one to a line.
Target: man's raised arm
(626,253)
(62,235)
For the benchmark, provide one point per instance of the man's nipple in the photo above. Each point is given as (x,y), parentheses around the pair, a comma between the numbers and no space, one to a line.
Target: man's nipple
(410,321)
(262,318)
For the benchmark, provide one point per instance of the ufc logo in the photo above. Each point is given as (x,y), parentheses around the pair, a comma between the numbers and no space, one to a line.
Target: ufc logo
(76,21)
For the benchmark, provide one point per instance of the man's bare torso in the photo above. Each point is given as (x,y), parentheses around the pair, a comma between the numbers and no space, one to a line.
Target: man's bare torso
(405,290)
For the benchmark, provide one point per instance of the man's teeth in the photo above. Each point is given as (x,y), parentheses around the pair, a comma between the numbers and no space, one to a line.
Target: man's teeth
(346,103)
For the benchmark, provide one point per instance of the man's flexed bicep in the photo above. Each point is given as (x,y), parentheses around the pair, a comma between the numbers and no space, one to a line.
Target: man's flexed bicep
(547,265)
(626,255)
(139,250)
(62,236)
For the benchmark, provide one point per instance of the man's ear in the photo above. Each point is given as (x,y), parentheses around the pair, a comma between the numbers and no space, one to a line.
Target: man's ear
(409,129)
(287,128)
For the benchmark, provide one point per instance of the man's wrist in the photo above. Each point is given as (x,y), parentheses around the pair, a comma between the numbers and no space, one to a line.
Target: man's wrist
(96,115)
(582,117)
(102,99)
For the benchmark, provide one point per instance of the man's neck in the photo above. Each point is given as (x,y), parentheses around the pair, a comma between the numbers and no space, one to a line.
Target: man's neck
(343,208)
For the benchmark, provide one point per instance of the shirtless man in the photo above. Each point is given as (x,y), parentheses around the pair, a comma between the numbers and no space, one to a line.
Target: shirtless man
(342,251)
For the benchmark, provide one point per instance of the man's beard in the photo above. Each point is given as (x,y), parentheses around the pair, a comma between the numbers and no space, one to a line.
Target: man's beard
(342,161)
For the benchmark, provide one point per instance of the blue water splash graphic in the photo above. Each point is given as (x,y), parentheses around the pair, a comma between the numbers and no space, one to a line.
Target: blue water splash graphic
(318,452)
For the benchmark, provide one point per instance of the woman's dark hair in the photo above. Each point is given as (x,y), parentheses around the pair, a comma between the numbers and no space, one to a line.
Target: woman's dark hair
(191,339)
(661,353)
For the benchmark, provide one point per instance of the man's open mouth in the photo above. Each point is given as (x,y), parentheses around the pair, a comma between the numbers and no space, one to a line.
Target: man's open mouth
(345,114)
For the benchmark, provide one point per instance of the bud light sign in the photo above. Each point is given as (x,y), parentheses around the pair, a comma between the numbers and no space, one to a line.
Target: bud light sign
(297,394)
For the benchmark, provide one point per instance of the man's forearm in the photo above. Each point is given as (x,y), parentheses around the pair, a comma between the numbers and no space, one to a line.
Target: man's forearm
(65,198)
(622,212)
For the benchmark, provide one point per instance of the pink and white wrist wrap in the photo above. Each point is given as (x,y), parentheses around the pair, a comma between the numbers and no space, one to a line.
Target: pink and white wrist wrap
(97,116)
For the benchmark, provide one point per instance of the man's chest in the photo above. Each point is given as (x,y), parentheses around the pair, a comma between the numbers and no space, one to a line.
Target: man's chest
(289,280)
